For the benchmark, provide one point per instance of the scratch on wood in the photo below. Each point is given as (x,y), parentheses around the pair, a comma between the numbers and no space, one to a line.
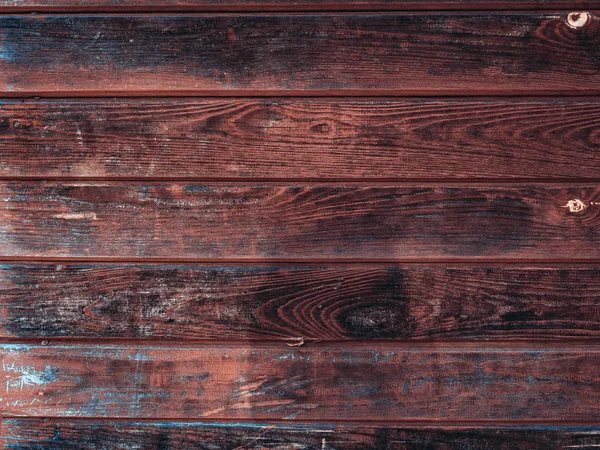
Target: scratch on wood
(246,405)
(28,376)
(76,216)
(299,343)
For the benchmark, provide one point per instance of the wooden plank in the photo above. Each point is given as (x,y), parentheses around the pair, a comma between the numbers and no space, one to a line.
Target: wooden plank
(286,5)
(413,139)
(270,220)
(299,303)
(391,382)
(303,54)
(57,434)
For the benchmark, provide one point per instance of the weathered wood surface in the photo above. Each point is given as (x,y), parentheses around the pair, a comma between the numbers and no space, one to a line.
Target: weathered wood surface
(57,434)
(478,139)
(390,382)
(286,5)
(270,220)
(352,53)
(312,302)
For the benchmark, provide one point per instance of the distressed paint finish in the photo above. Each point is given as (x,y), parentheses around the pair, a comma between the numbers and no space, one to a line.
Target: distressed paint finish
(485,139)
(270,220)
(390,382)
(306,54)
(65,434)
(331,250)
(294,302)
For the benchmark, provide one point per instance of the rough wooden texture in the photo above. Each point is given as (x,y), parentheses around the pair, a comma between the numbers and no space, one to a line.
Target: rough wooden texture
(419,53)
(298,221)
(57,434)
(483,139)
(286,5)
(312,302)
(259,382)
(389,382)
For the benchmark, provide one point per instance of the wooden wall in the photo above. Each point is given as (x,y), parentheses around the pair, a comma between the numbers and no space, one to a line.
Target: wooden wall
(308,224)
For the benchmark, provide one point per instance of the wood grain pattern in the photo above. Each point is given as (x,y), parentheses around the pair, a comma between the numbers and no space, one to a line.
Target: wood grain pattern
(480,139)
(327,256)
(57,434)
(286,5)
(435,382)
(130,220)
(356,54)
(312,302)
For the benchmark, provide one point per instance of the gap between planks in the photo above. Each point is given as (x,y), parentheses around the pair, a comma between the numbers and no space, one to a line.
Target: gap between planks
(316,7)
(162,12)
(397,182)
(330,93)
(548,345)
(265,262)
(420,424)
(352,182)
(446,346)
(289,95)
(457,262)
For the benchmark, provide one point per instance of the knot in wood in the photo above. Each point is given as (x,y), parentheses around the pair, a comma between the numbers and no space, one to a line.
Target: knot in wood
(578,20)
(575,205)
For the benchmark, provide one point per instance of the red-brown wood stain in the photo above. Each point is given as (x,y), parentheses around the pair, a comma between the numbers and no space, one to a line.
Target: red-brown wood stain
(299,224)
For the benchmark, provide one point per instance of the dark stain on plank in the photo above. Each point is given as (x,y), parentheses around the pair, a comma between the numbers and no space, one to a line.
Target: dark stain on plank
(299,221)
(63,434)
(435,382)
(313,302)
(406,53)
(482,139)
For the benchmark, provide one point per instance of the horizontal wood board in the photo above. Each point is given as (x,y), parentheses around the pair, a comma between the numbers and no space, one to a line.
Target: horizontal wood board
(299,303)
(287,5)
(362,258)
(300,222)
(435,382)
(301,54)
(302,138)
(63,434)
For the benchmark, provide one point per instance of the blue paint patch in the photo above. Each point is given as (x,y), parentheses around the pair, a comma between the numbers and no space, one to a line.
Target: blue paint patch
(139,355)
(5,54)
(365,391)
(198,188)
(200,377)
